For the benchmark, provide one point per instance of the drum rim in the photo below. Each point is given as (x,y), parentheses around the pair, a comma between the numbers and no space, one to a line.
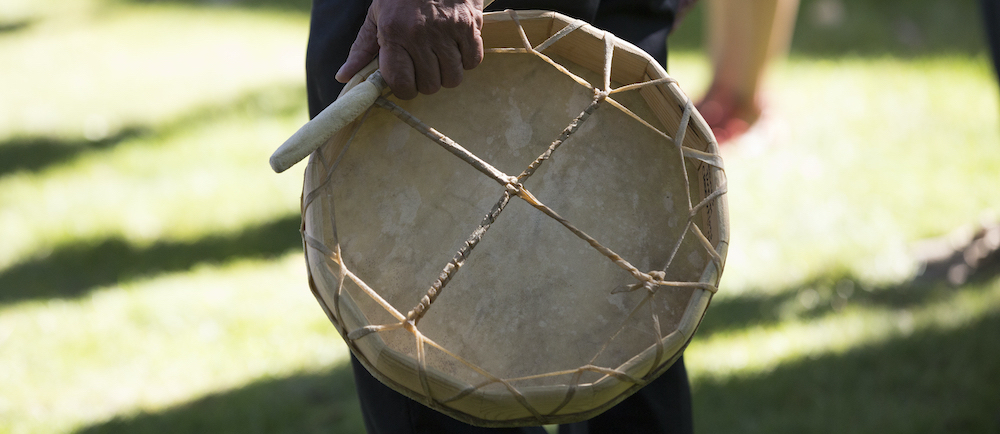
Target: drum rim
(688,324)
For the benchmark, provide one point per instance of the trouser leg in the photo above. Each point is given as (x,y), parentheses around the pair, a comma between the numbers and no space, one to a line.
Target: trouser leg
(387,412)
(662,407)
(643,23)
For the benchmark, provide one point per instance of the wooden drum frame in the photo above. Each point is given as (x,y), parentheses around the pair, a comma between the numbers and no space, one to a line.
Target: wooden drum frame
(583,282)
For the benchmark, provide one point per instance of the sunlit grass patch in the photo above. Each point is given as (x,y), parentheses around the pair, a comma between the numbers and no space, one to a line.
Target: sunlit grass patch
(758,349)
(926,368)
(96,72)
(177,185)
(321,401)
(144,122)
(856,160)
(132,140)
(158,342)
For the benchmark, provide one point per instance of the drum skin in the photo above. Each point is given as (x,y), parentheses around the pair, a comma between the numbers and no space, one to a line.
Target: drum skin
(537,326)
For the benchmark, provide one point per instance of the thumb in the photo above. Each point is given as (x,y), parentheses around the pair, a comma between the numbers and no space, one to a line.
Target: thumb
(363,50)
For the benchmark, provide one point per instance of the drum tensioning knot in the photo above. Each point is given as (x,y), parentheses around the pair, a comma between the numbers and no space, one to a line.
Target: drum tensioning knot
(649,281)
(513,187)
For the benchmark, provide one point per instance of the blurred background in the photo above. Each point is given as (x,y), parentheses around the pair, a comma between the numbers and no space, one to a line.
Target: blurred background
(151,277)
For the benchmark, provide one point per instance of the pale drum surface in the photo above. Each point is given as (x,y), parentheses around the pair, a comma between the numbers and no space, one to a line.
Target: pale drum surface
(537,325)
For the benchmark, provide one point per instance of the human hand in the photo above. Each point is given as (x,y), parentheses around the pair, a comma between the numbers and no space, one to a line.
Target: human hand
(422,45)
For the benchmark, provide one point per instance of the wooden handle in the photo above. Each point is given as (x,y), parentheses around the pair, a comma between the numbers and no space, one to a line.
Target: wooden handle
(335,116)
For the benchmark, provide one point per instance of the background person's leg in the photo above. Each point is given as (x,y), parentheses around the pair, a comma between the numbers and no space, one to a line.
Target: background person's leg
(744,38)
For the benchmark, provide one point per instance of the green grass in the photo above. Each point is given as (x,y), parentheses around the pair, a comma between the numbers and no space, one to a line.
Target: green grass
(931,378)
(151,278)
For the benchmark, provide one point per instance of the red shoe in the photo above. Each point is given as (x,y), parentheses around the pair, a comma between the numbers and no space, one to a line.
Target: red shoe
(728,117)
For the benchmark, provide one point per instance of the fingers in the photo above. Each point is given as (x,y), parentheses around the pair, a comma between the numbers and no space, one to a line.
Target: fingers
(399,71)
(422,67)
(471,48)
(420,50)
(423,71)
(362,52)
(451,65)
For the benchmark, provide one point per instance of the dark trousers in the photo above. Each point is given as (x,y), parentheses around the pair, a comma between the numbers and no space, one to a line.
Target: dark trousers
(663,406)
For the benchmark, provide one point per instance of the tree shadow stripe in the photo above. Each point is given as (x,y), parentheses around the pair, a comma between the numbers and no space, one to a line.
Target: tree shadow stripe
(827,295)
(932,381)
(929,382)
(322,402)
(36,153)
(75,269)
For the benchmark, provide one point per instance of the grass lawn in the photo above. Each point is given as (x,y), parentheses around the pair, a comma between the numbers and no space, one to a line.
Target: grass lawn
(151,277)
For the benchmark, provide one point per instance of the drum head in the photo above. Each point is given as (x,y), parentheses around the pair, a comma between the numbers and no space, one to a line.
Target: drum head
(554,252)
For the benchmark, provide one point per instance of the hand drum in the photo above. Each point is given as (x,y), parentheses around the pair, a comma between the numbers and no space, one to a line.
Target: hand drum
(528,248)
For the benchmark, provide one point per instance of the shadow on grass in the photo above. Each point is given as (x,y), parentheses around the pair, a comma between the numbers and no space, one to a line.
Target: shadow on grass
(305,403)
(14,26)
(826,295)
(36,153)
(933,381)
(74,270)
